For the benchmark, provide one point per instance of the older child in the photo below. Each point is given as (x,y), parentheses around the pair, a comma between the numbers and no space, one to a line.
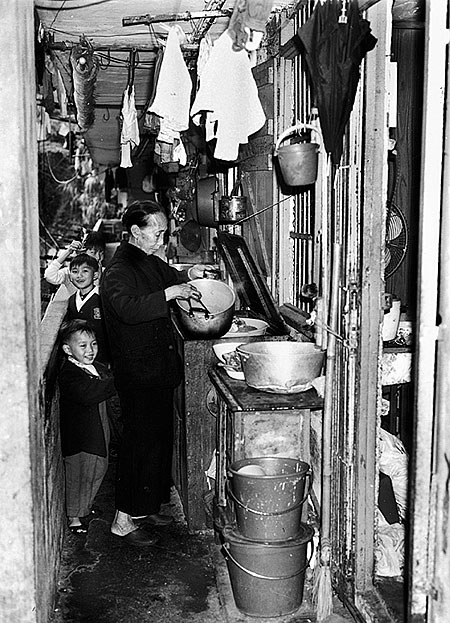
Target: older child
(84,386)
(85,302)
(93,244)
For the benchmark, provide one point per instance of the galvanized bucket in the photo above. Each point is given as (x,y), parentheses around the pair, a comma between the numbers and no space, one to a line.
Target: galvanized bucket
(267,580)
(268,507)
(298,161)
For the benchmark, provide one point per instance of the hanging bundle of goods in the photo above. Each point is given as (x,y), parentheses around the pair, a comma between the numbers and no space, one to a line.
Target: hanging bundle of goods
(84,71)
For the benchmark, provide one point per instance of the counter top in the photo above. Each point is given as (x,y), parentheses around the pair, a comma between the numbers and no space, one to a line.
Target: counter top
(242,397)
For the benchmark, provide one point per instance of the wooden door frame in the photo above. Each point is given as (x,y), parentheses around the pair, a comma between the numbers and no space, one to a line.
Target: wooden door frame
(375,186)
(428,477)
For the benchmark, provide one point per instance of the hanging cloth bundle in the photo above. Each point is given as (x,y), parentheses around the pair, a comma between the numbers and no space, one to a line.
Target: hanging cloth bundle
(84,72)
(129,136)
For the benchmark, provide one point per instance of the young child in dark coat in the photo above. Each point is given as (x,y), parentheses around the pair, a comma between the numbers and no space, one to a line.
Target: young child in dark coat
(85,303)
(84,386)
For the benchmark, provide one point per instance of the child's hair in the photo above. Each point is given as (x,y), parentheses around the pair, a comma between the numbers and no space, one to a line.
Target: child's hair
(95,241)
(70,327)
(84,258)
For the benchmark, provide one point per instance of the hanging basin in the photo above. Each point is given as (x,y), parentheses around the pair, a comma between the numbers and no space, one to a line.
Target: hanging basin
(281,367)
(219,300)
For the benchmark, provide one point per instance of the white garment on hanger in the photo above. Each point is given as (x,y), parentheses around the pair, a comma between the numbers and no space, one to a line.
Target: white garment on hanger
(229,96)
(129,136)
(173,90)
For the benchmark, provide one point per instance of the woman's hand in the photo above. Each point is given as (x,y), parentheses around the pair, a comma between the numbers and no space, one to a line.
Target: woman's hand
(182,291)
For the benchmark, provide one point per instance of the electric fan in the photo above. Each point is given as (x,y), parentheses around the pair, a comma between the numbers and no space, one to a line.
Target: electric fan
(396,243)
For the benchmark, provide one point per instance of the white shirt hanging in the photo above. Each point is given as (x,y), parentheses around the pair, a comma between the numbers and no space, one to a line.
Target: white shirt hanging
(129,136)
(229,96)
(173,90)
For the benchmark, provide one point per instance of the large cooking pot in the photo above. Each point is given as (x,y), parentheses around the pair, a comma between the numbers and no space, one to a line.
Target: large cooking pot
(218,299)
(280,367)
(207,202)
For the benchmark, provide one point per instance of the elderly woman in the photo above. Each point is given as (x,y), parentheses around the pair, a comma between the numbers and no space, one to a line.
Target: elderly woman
(136,289)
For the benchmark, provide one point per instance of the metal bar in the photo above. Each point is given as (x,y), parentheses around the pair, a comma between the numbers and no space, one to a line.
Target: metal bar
(187,16)
(67,46)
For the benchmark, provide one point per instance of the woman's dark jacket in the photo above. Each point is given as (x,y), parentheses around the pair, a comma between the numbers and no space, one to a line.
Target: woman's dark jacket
(137,318)
(80,394)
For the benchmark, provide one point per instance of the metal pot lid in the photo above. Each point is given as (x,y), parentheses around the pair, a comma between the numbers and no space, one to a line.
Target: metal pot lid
(190,236)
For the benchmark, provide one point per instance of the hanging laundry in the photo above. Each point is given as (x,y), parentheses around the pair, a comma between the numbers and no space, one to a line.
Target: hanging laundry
(48,87)
(151,120)
(44,126)
(248,22)
(171,101)
(173,90)
(129,136)
(229,96)
(121,179)
(204,51)
(70,143)
(109,184)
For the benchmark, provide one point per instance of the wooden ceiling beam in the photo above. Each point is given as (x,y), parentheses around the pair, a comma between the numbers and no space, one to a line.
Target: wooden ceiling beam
(174,17)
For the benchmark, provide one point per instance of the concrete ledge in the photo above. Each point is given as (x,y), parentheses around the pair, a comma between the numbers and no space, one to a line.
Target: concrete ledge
(50,324)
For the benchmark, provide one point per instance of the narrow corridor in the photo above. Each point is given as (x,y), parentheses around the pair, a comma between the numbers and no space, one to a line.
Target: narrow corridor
(182,578)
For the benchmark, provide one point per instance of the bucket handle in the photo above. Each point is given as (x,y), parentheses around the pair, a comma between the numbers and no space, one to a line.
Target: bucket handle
(275,513)
(227,554)
(295,128)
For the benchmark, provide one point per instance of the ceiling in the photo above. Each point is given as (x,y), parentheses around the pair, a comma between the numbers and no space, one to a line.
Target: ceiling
(112,29)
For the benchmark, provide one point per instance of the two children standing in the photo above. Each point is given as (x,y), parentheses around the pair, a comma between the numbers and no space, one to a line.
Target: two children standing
(85,386)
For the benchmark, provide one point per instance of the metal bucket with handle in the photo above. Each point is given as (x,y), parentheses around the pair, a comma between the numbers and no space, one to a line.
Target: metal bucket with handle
(298,161)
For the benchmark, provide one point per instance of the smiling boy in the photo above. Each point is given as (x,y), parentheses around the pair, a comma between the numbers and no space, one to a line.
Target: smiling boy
(85,303)
(84,387)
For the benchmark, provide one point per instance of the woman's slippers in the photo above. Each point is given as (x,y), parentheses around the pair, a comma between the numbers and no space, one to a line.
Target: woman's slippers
(78,529)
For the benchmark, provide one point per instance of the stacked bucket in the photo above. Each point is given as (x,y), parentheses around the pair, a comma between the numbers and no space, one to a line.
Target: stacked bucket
(266,550)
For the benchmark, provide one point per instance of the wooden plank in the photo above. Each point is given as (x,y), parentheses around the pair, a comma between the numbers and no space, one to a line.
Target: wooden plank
(246,398)
(257,163)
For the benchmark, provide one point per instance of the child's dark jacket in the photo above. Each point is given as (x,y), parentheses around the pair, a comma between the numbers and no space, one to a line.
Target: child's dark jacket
(92,312)
(80,396)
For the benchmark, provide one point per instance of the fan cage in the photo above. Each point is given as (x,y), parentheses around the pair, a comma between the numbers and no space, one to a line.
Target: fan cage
(396,243)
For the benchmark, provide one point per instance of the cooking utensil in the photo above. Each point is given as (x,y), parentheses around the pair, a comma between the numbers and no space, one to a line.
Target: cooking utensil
(202,309)
(213,317)
(250,327)
(281,367)
(232,208)
(190,236)
(206,202)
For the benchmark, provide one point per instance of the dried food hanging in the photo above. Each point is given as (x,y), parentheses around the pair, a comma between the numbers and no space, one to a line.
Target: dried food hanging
(84,72)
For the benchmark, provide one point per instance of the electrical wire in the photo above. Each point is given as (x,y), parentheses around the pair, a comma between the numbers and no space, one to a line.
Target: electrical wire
(71,8)
(63,182)
(56,16)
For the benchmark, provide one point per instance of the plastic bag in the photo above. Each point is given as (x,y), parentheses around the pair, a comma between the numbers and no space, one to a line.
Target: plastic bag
(393,462)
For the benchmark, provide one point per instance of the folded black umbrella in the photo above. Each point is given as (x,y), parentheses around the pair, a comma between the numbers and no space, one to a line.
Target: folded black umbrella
(334,40)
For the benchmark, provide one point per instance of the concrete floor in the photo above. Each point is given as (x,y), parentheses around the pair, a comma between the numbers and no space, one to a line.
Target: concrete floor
(182,578)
